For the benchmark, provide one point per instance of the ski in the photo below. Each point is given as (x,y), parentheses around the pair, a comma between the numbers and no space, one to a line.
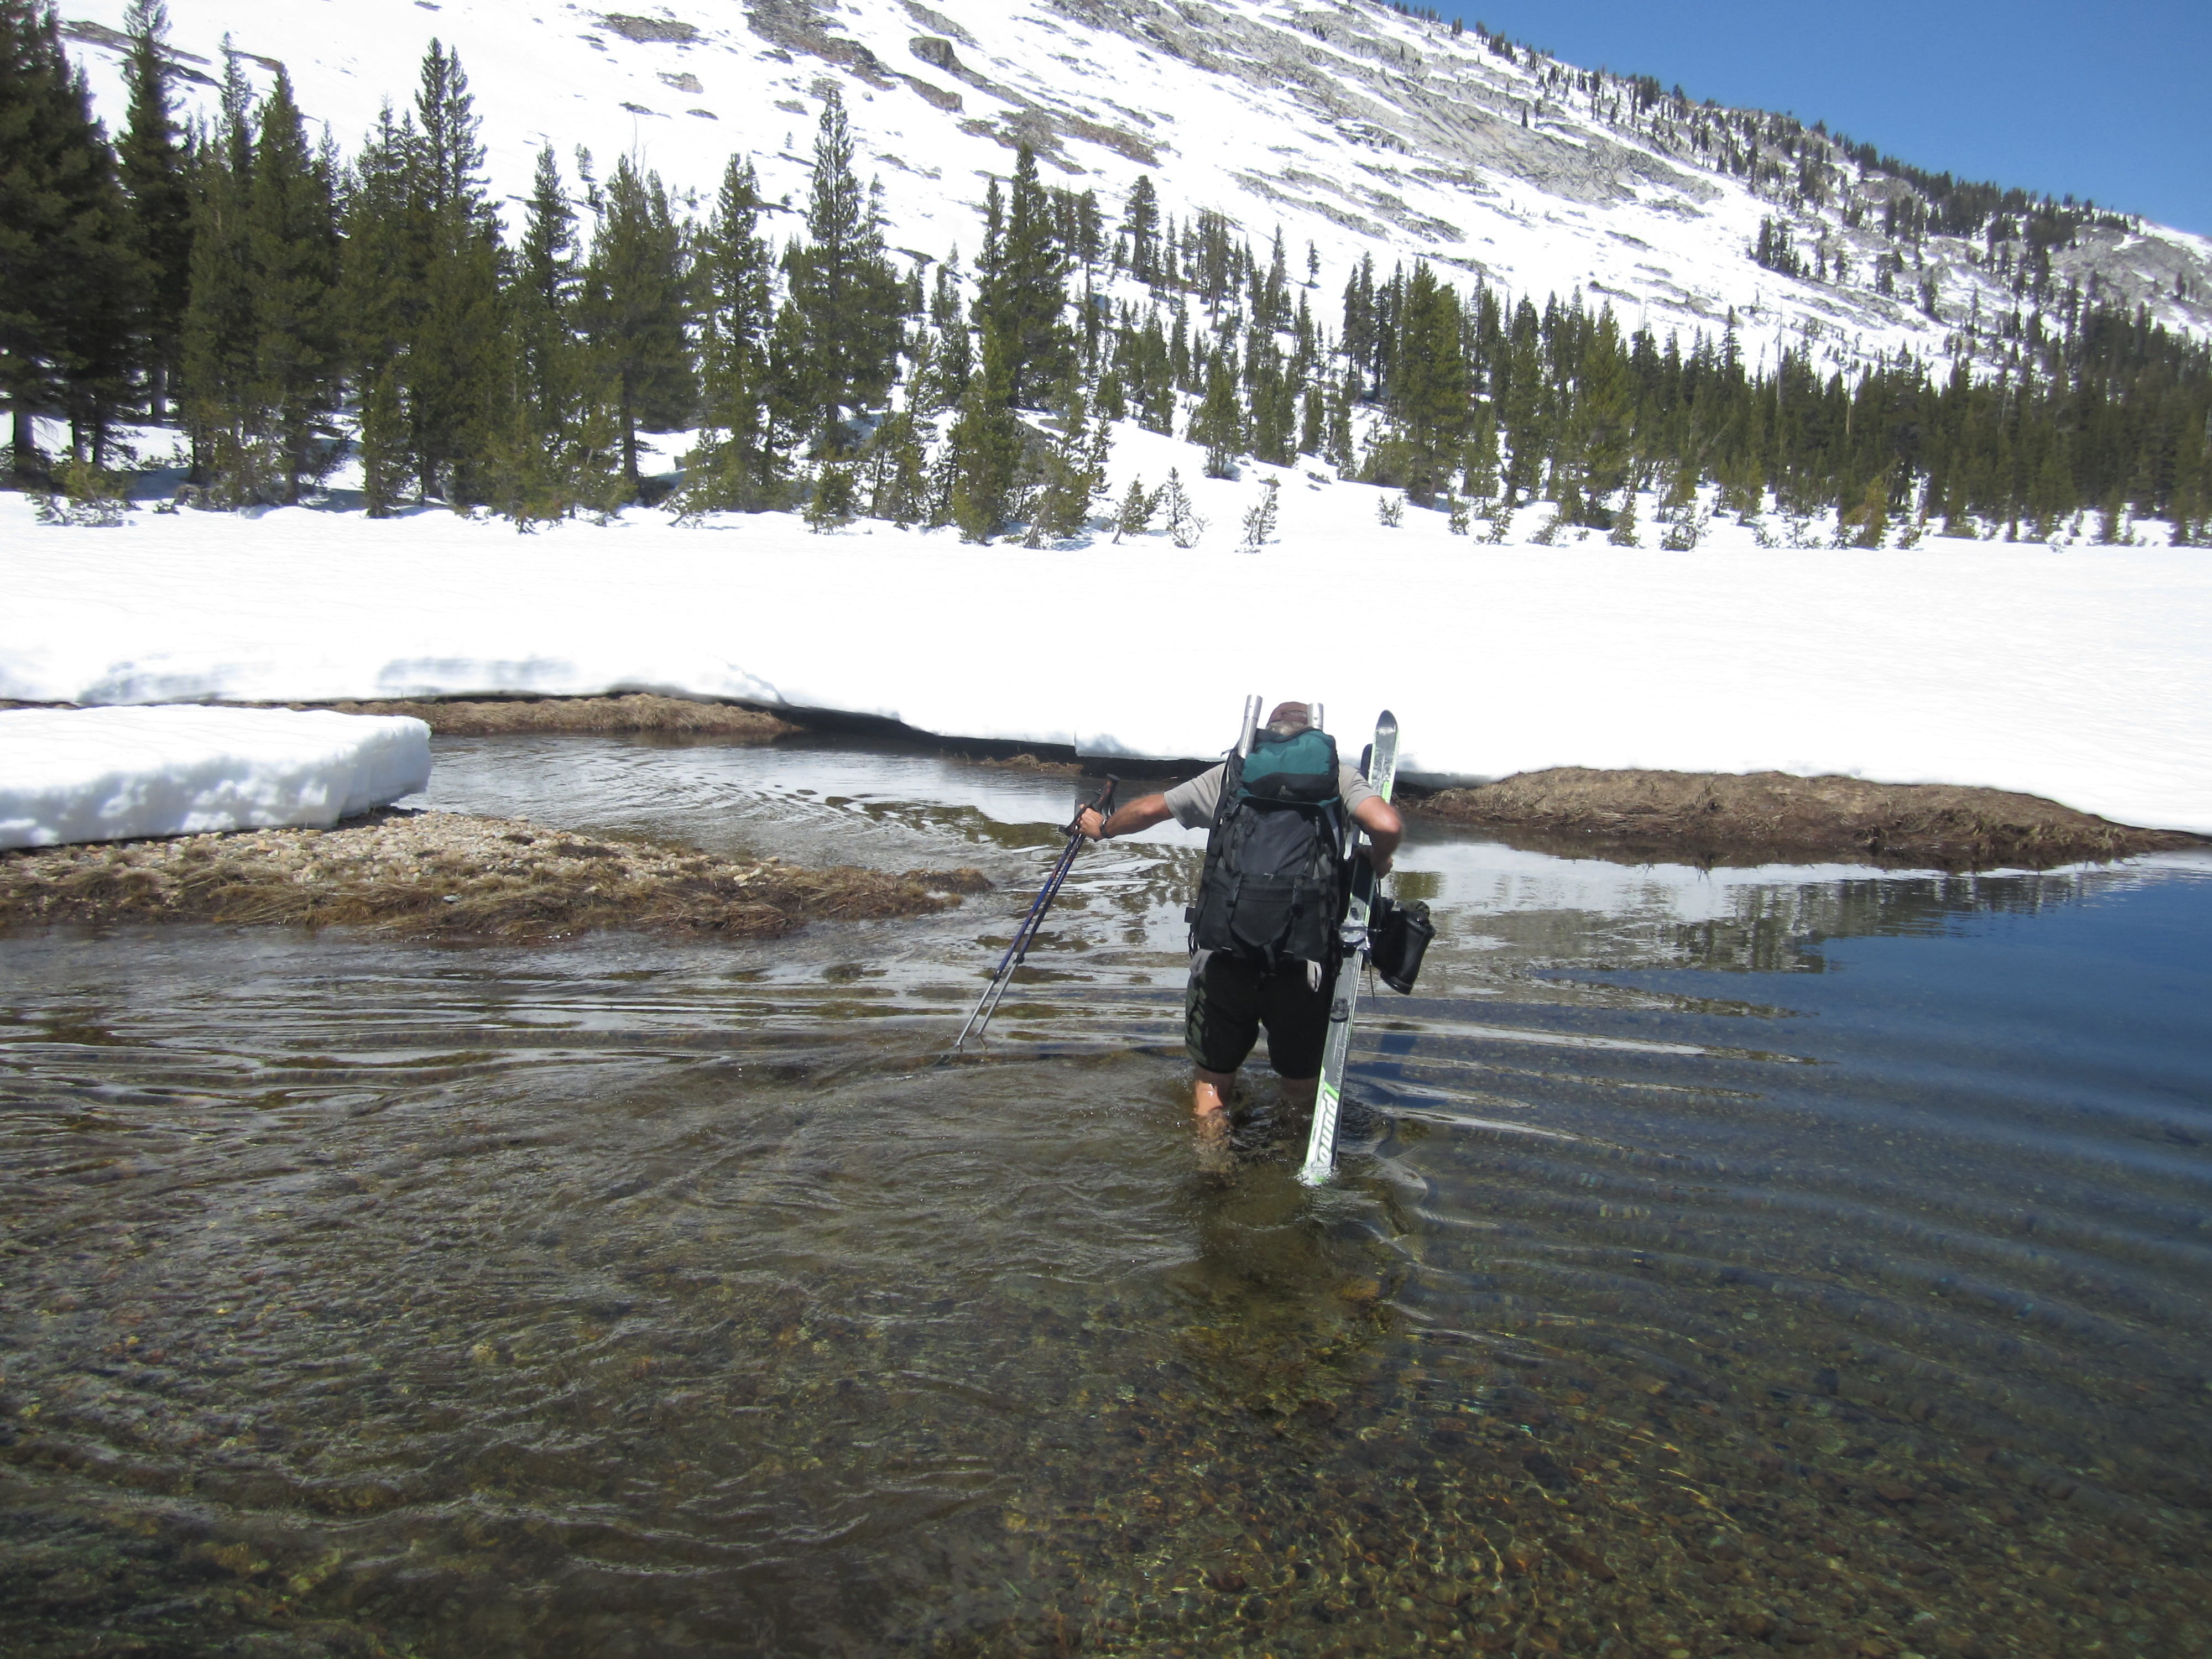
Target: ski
(1329,1098)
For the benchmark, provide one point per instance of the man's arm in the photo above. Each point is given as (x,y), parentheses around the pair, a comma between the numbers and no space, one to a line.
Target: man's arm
(1384,828)
(1141,813)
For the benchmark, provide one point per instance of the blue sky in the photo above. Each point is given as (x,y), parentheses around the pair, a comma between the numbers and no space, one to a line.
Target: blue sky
(2106,100)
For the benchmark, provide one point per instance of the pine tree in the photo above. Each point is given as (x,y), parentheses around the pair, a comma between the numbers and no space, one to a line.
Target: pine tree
(900,494)
(1140,223)
(1313,420)
(945,359)
(381,287)
(1218,422)
(1871,514)
(1184,527)
(1429,392)
(734,468)
(1361,330)
(848,299)
(1259,519)
(1337,447)
(1604,411)
(832,502)
(1023,292)
(1134,515)
(1480,456)
(1273,310)
(547,281)
(985,448)
(217,352)
(1623,533)
(1072,473)
(791,398)
(1523,406)
(458,366)
(155,164)
(529,474)
(634,308)
(68,278)
(292,252)
(383,441)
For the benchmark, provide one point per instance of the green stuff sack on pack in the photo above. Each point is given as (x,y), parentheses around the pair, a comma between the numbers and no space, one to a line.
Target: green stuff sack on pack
(1299,769)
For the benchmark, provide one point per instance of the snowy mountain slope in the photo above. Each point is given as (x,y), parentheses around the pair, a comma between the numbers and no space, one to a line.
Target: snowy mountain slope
(1345,124)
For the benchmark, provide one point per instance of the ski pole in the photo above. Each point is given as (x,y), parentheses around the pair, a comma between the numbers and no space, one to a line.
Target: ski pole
(1025,935)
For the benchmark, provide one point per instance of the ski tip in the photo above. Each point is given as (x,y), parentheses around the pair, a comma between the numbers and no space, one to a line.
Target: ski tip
(1386,722)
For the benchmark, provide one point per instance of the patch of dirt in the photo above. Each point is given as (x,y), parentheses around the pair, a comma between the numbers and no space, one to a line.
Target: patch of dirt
(1709,817)
(637,712)
(451,876)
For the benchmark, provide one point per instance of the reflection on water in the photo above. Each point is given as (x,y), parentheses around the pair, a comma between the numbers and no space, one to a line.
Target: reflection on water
(1798,1259)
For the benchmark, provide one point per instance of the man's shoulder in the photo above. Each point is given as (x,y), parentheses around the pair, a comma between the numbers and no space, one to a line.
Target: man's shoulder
(1193,801)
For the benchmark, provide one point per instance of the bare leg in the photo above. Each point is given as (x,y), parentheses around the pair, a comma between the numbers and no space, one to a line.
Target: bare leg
(1209,1096)
(1210,1101)
(1300,1091)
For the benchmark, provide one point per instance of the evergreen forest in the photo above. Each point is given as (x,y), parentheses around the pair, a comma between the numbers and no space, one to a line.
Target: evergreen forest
(286,306)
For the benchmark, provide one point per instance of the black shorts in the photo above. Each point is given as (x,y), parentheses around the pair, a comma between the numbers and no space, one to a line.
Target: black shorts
(1228,1002)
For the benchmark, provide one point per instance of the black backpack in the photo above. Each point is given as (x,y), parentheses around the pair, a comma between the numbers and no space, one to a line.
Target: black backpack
(1274,889)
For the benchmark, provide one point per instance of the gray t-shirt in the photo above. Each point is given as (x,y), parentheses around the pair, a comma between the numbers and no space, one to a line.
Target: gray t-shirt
(1195,804)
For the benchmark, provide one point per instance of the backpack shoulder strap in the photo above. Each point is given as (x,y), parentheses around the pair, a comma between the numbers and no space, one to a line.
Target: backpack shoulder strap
(1232,780)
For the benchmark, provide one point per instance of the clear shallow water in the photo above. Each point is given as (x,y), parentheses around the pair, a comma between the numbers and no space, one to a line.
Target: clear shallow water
(1779,1258)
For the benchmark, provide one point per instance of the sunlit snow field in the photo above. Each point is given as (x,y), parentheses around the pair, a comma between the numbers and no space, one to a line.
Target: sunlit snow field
(2081,674)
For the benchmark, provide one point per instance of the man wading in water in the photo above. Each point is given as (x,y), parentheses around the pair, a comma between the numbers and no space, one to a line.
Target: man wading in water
(1264,930)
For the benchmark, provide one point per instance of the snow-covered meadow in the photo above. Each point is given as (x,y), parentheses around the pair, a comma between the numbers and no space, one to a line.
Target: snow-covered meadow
(2082,673)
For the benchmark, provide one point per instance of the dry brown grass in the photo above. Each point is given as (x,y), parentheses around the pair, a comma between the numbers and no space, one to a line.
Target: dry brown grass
(637,712)
(1027,762)
(451,876)
(1710,817)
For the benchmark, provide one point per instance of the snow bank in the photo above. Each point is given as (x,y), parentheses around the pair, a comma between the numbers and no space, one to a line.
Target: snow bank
(2081,675)
(116,774)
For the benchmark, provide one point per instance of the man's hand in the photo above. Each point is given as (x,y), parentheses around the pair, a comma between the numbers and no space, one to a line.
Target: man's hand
(1141,813)
(1385,829)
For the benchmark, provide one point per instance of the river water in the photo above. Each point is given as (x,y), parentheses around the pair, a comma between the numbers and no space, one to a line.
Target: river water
(1809,1261)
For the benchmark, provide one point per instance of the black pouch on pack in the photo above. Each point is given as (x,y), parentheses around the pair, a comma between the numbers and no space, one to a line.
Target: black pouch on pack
(1398,936)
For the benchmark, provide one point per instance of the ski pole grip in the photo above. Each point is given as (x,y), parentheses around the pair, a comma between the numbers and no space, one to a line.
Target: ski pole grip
(1103,803)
